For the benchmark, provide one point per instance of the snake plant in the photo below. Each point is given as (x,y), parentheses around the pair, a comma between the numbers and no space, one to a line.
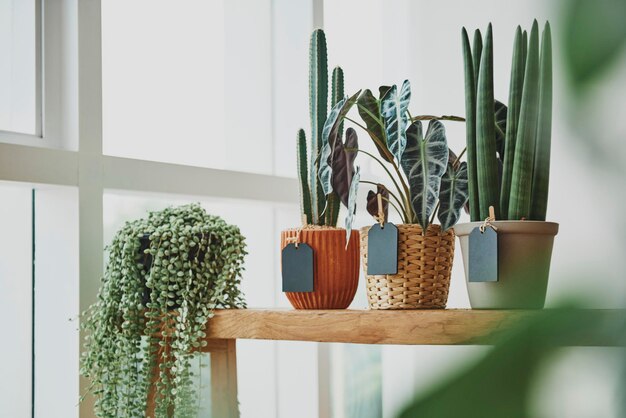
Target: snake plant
(318,207)
(509,163)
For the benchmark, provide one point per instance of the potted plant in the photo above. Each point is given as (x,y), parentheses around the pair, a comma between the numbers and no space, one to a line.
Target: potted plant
(194,266)
(429,181)
(508,166)
(325,182)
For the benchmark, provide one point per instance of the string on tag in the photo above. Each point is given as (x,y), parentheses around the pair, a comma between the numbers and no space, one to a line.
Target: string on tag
(380,217)
(488,221)
(295,240)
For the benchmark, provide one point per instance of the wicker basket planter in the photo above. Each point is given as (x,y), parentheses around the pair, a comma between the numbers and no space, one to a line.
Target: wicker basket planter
(424,267)
(335,268)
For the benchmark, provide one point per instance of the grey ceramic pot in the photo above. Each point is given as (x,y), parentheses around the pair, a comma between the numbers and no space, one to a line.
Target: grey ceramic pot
(524,253)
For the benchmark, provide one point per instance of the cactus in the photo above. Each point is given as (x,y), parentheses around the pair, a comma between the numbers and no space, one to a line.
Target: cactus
(316,207)
(521,190)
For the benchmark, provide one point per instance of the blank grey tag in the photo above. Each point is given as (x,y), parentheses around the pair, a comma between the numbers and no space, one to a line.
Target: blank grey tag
(382,249)
(483,255)
(297,268)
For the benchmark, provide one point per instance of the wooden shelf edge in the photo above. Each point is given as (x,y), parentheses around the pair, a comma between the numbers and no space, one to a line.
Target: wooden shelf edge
(410,327)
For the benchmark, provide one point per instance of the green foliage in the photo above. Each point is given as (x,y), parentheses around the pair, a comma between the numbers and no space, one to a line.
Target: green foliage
(303,172)
(486,164)
(509,149)
(196,265)
(594,37)
(501,384)
(415,163)
(318,108)
(470,120)
(318,207)
(453,194)
(424,162)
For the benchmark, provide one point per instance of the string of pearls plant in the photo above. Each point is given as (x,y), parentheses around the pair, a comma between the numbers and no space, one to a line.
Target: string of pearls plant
(154,305)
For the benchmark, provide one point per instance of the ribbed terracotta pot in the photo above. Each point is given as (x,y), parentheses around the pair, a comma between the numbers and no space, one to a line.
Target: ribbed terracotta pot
(335,268)
(524,254)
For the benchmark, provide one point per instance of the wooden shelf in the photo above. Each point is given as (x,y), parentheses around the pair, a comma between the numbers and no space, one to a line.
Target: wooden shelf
(414,327)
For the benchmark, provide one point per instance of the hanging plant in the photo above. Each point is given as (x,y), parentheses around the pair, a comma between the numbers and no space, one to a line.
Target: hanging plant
(165,276)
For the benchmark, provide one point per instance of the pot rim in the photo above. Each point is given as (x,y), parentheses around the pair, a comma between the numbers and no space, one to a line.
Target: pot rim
(512,227)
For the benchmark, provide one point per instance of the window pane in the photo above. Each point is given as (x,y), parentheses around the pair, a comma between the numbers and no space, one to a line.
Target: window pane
(15,301)
(56,303)
(192,86)
(18,66)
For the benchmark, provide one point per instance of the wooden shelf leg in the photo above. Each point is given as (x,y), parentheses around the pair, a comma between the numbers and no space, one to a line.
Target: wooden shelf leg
(223,378)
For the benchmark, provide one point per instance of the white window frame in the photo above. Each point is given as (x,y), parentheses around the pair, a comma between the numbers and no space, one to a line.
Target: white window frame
(47,158)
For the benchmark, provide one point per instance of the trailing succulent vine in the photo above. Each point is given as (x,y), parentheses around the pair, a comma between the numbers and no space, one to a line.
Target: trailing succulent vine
(165,276)
(508,150)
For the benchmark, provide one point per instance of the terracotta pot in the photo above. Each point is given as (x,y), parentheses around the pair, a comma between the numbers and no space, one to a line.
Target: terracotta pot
(424,267)
(335,268)
(524,254)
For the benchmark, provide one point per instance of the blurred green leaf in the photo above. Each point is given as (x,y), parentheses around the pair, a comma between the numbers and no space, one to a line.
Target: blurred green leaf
(499,385)
(594,36)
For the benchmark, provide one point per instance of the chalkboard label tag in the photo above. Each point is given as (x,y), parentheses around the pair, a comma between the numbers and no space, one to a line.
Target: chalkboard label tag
(297,268)
(382,249)
(483,255)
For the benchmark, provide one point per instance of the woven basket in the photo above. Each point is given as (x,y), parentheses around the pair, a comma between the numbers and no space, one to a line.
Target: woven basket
(424,267)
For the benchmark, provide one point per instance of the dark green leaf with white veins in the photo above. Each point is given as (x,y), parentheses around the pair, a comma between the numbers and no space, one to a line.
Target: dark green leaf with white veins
(394,108)
(329,137)
(424,162)
(343,164)
(453,195)
(369,110)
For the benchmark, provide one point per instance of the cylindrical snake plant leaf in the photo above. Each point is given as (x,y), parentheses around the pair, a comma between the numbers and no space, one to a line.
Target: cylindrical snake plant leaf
(394,108)
(477,51)
(515,98)
(470,126)
(487,164)
(541,172)
(369,110)
(336,91)
(303,177)
(318,109)
(521,180)
(453,195)
(424,162)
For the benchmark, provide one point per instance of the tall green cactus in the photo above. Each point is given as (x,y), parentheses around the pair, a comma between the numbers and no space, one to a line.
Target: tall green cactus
(316,207)
(318,110)
(337,92)
(522,186)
